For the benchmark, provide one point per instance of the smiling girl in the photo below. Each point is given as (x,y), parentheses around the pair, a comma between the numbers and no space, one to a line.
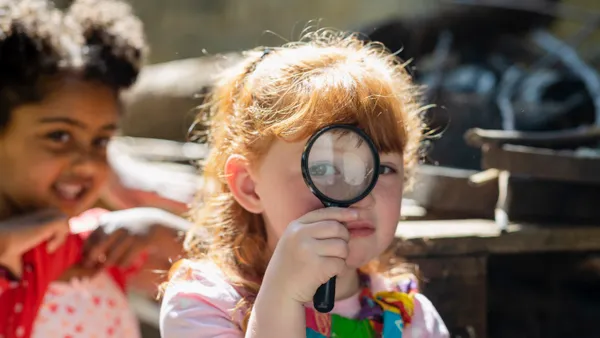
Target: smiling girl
(60,84)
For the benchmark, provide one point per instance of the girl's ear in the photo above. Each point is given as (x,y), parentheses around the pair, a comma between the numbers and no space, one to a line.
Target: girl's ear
(241,184)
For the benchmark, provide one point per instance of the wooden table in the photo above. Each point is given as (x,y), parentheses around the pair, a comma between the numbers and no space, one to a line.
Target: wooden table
(452,255)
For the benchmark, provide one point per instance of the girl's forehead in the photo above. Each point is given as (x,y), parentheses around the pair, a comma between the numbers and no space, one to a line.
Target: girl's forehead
(286,149)
(85,105)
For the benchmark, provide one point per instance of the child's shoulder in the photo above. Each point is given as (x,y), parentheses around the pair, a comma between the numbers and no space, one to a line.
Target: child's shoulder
(198,297)
(203,281)
(202,275)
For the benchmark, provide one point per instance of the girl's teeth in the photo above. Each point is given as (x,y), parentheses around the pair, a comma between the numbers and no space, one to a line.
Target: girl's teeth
(69,191)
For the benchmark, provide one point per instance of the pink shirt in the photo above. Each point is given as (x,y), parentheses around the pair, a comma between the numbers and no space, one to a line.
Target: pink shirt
(202,306)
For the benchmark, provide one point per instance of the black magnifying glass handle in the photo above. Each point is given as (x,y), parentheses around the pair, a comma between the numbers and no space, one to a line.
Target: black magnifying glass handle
(324,298)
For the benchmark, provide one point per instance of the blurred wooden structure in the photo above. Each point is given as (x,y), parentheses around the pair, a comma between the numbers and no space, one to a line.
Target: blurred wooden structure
(162,103)
(453,255)
(538,216)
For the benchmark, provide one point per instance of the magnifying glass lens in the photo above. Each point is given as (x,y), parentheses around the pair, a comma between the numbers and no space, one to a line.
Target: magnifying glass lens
(341,165)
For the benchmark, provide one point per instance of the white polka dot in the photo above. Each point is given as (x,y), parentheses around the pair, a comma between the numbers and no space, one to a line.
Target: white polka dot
(13,285)
(25,283)
(20,331)
(18,308)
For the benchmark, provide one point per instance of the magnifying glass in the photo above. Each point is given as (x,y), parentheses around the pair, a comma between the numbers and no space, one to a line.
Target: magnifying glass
(340,166)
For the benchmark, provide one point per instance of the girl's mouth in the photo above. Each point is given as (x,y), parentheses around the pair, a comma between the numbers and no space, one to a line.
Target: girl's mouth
(360,229)
(70,192)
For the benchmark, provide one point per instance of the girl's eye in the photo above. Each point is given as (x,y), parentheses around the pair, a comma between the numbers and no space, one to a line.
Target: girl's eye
(322,169)
(386,170)
(101,142)
(59,137)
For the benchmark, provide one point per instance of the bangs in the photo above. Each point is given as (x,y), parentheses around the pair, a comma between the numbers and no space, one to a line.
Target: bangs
(337,96)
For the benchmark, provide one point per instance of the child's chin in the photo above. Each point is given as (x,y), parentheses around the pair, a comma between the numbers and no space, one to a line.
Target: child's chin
(361,254)
(356,261)
(73,210)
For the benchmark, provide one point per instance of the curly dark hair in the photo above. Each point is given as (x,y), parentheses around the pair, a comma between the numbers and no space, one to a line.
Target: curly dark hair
(95,40)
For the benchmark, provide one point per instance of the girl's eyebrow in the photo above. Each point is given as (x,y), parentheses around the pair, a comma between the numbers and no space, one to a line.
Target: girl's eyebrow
(75,123)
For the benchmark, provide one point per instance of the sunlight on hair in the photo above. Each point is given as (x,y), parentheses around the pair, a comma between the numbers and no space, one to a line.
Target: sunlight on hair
(288,93)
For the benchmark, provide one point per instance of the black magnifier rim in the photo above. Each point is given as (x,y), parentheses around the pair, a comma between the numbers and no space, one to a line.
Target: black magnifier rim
(306,175)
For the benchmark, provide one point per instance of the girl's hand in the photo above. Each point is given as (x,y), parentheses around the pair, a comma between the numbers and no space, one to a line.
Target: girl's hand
(123,235)
(21,234)
(313,249)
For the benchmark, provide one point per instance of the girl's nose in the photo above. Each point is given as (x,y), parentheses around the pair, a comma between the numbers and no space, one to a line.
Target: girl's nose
(365,203)
(88,163)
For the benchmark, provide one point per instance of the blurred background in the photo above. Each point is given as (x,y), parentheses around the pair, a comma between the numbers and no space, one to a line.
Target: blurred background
(503,218)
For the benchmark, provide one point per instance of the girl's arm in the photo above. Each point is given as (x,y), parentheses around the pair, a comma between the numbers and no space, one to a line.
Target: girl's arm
(140,241)
(123,235)
(274,315)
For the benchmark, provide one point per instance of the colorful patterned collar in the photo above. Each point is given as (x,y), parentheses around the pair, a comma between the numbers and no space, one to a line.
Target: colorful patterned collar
(384,314)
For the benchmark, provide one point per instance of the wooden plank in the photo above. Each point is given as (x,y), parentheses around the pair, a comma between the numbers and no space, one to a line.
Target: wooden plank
(569,138)
(160,150)
(431,229)
(175,181)
(463,237)
(541,200)
(561,165)
(164,100)
(447,191)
